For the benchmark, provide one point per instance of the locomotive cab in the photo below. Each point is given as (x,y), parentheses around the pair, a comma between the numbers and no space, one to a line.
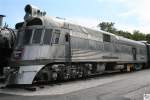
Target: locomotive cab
(38,37)
(40,40)
(35,46)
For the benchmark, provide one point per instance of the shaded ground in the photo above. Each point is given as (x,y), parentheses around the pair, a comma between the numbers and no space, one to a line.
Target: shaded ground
(127,86)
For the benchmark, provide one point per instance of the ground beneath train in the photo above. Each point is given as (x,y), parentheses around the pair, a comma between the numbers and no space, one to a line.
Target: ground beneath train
(116,86)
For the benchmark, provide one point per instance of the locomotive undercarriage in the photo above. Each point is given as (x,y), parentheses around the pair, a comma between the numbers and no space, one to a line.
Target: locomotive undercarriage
(36,74)
(62,72)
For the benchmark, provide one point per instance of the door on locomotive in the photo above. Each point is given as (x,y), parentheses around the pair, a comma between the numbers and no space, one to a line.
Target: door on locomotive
(134,53)
(67,48)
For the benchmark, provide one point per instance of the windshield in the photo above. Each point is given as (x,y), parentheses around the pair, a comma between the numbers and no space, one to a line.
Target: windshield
(37,36)
(27,36)
(24,37)
(47,36)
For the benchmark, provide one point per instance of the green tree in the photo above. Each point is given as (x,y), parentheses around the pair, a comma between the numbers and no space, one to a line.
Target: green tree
(148,38)
(124,34)
(137,35)
(107,26)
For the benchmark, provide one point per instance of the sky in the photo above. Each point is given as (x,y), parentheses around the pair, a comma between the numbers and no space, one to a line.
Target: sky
(128,15)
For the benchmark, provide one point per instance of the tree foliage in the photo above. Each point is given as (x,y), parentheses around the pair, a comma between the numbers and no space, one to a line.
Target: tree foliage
(136,35)
(107,26)
(148,38)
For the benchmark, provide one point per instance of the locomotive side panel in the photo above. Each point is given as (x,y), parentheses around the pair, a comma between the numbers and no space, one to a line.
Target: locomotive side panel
(131,51)
(92,46)
(50,48)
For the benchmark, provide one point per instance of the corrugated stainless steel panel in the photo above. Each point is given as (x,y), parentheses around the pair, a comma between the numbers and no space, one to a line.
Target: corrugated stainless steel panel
(34,52)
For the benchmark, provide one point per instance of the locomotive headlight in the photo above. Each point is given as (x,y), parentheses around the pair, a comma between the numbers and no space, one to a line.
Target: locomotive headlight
(18,53)
(34,11)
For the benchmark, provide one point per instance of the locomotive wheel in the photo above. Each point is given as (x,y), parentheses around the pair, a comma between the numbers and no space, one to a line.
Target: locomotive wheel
(137,67)
(54,76)
(86,73)
(41,78)
(124,69)
(65,77)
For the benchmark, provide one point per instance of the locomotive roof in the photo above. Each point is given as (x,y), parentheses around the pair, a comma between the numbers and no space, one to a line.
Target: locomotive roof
(129,41)
(48,21)
(55,22)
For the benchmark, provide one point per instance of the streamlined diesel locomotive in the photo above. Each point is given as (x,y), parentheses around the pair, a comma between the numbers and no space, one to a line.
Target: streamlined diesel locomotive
(49,49)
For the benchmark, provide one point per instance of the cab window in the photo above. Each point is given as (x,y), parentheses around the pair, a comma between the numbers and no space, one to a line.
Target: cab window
(56,36)
(67,37)
(47,36)
(106,38)
(37,36)
(27,36)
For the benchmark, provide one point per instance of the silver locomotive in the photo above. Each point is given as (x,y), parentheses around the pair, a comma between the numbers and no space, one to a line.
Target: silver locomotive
(50,49)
